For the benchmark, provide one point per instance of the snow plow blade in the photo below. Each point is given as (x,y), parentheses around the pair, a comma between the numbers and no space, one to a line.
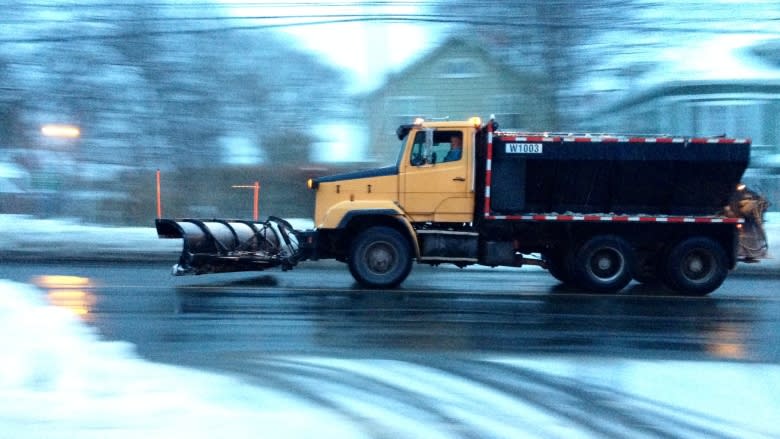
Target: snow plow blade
(222,246)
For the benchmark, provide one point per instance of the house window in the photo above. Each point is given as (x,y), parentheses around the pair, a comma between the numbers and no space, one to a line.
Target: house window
(734,118)
(459,68)
(506,108)
(405,104)
(404,109)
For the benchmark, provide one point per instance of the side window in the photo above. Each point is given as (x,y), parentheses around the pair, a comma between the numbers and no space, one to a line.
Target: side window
(445,146)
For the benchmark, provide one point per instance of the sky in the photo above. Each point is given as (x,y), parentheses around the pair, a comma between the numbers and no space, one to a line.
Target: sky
(369,50)
(365,50)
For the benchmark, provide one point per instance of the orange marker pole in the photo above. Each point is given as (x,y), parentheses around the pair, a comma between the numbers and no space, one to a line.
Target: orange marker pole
(159,198)
(256,210)
(256,204)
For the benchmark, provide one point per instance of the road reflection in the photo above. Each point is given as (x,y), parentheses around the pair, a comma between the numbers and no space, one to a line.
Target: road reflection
(69,292)
(727,341)
(557,321)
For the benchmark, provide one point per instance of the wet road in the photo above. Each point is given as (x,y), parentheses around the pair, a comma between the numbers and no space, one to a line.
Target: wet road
(219,321)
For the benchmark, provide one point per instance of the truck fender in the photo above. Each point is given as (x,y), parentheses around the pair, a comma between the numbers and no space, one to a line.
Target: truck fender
(342,214)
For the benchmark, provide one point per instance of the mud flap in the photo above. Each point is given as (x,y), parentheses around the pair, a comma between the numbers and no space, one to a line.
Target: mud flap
(753,244)
(750,206)
(221,246)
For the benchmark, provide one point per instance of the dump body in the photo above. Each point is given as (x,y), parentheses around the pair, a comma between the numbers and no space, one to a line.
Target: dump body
(615,174)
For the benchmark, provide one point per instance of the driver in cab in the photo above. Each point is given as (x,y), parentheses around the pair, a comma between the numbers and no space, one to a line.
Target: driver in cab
(456,149)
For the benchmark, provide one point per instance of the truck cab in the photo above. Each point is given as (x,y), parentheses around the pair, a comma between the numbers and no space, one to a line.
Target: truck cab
(428,183)
(436,172)
(431,186)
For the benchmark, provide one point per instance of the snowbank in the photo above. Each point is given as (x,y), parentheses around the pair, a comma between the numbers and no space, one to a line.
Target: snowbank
(26,237)
(58,380)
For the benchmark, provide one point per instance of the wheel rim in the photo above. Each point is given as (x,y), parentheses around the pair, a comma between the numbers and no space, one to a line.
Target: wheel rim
(606,264)
(381,257)
(698,266)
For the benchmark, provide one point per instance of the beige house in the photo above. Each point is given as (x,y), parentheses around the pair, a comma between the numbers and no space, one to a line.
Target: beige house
(456,80)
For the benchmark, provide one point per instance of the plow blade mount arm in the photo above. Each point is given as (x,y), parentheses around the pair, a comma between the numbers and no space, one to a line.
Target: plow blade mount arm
(221,246)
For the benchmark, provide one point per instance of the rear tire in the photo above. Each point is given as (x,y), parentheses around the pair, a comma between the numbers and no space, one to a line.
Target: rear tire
(603,264)
(696,266)
(380,257)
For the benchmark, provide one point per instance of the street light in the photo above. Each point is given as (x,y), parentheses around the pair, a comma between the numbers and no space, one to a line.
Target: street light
(61,131)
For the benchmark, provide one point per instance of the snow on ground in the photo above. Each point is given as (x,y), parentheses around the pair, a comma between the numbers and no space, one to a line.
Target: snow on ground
(60,239)
(26,236)
(58,379)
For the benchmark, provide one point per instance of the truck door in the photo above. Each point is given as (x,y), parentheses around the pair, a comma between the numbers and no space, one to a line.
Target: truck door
(436,178)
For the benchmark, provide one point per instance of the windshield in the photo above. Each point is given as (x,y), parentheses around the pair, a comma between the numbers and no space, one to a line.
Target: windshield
(401,150)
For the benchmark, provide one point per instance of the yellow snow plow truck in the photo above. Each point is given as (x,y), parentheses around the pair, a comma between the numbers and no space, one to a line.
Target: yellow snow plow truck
(595,210)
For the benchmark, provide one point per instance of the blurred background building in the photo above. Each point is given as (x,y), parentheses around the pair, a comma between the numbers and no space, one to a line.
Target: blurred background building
(219,93)
(458,79)
(728,86)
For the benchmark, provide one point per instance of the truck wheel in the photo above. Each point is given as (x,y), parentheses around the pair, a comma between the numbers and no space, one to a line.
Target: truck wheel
(696,266)
(380,257)
(603,264)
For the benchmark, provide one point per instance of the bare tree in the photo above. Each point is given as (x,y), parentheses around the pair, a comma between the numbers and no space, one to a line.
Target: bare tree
(557,38)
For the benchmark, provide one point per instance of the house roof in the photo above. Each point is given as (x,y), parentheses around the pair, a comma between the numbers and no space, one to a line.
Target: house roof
(698,87)
(729,64)
(441,50)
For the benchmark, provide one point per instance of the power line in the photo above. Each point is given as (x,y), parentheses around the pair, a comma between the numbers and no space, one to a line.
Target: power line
(309,20)
(348,3)
(235,4)
(486,19)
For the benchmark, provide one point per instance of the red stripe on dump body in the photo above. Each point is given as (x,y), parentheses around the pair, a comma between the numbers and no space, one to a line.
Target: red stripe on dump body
(619,218)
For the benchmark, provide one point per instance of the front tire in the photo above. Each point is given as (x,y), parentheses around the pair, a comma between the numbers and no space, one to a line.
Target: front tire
(380,257)
(696,266)
(603,264)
